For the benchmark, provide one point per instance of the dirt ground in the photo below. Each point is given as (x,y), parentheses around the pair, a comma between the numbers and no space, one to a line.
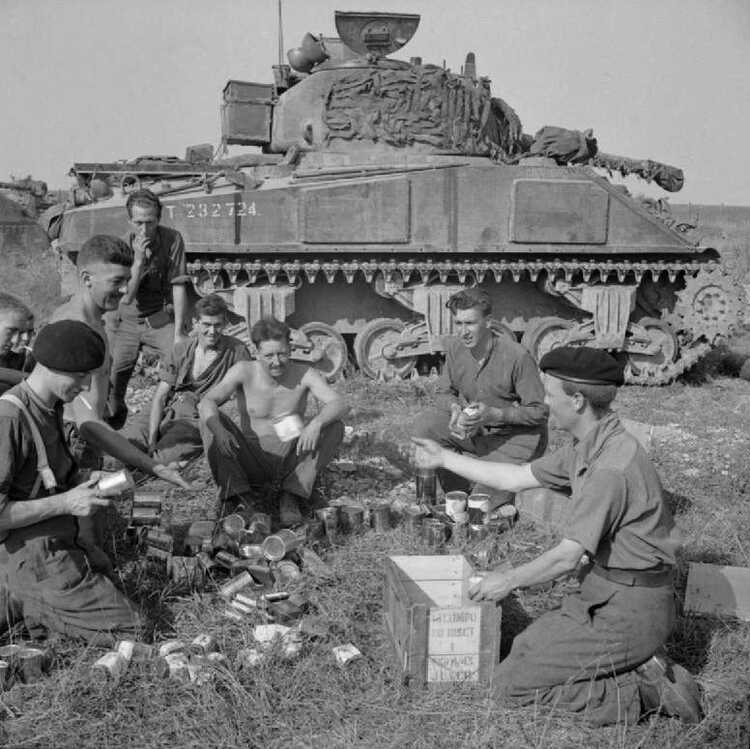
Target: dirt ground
(700,445)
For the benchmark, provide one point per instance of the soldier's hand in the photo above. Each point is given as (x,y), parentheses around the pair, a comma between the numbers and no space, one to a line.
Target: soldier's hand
(141,249)
(493,587)
(455,413)
(84,500)
(226,442)
(171,474)
(475,419)
(308,439)
(428,453)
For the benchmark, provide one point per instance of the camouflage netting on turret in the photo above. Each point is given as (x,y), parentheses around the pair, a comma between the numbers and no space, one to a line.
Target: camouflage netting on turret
(425,105)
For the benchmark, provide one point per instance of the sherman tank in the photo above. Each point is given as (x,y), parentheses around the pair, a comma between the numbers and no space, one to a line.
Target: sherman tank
(378,187)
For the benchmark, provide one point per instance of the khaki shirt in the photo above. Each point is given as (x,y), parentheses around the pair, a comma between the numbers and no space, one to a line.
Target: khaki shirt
(507,377)
(617,513)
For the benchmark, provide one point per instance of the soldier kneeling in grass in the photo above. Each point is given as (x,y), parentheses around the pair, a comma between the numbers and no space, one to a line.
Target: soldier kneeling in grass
(600,654)
(51,575)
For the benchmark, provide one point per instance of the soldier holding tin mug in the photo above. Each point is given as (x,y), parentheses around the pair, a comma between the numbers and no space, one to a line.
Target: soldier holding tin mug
(272,444)
(497,411)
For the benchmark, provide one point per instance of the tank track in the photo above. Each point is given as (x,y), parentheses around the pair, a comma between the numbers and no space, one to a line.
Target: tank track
(248,272)
(651,375)
(624,270)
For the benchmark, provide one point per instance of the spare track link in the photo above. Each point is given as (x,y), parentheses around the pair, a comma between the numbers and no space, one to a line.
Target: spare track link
(249,272)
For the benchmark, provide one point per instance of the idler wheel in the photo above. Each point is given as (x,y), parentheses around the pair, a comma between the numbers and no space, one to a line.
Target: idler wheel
(545,334)
(661,333)
(332,346)
(374,342)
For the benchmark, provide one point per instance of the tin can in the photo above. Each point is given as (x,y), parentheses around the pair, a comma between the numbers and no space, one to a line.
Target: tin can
(251,551)
(433,532)
(31,664)
(233,525)
(171,646)
(315,529)
(330,518)
(352,518)
(225,559)
(178,666)
(148,499)
(4,673)
(202,644)
(288,426)
(246,600)
(198,533)
(253,534)
(413,516)
(462,433)
(278,545)
(240,607)
(455,502)
(479,508)
(279,595)
(236,584)
(380,517)
(477,531)
(145,516)
(285,571)
(426,486)
(114,484)
(110,667)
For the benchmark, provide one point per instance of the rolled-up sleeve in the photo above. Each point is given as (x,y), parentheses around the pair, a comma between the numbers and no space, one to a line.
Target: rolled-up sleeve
(8,448)
(177,272)
(553,469)
(530,410)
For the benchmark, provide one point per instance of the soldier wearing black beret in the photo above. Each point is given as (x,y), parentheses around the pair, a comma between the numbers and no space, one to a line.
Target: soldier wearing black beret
(49,578)
(601,653)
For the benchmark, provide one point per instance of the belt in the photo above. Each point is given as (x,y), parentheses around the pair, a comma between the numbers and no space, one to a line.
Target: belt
(650,578)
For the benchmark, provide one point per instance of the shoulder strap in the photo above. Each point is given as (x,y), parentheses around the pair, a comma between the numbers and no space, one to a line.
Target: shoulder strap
(46,475)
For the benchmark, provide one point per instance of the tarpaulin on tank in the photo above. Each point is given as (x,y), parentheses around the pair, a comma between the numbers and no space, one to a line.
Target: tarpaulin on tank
(421,104)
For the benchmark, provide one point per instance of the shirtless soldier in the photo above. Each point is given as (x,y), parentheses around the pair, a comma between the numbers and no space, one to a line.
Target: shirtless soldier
(245,458)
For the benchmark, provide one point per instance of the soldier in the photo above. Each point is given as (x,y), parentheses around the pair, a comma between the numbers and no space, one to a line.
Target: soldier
(170,430)
(104,268)
(600,654)
(154,308)
(272,445)
(16,329)
(50,572)
(499,380)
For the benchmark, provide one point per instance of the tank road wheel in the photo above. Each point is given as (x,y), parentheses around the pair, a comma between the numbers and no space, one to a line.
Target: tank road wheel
(544,335)
(661,333)
(368,349)
(331,343)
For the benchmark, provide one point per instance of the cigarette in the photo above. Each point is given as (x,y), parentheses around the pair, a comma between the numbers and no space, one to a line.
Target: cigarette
(85,402)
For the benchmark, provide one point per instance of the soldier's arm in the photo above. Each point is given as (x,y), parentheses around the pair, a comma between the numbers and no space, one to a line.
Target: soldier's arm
(238,376)
(335,406)
(157,411)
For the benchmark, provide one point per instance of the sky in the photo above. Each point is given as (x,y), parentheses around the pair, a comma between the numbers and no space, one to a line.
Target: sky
(102,80)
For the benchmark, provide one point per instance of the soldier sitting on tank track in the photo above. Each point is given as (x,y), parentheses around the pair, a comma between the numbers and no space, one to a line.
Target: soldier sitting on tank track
(16,329)
(272,444)
(154,308)
(170,429)
(504,418)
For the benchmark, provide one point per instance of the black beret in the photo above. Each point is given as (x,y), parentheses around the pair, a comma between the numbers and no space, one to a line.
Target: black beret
(589,366)
(69,346)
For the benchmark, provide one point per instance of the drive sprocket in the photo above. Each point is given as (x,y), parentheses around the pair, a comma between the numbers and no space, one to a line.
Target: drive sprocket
(710,306)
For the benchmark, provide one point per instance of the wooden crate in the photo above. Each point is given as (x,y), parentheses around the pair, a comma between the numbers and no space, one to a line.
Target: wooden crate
(438,633)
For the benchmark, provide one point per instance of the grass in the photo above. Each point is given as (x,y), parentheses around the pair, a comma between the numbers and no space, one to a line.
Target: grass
(700,448)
